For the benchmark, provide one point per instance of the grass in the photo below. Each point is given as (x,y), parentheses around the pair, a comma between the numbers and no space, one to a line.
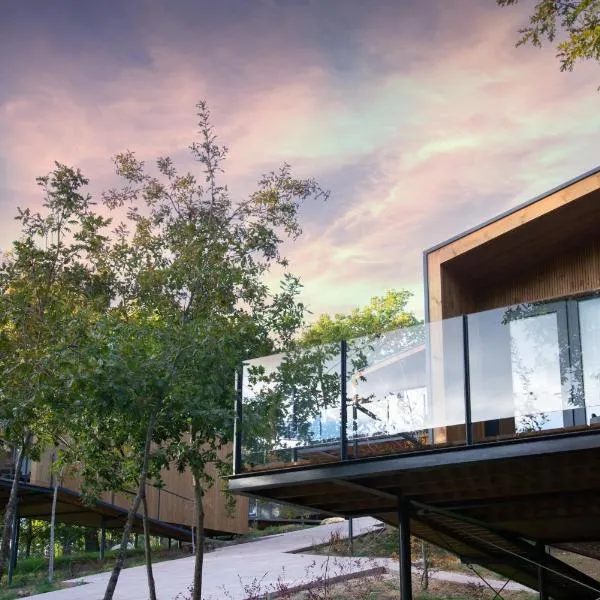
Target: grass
(387,589)
(39,588)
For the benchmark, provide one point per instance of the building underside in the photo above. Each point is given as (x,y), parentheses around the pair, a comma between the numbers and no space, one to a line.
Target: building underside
(496,504)
(35,502)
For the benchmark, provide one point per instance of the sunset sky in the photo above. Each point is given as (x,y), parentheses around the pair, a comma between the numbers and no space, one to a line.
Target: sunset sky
(420,116)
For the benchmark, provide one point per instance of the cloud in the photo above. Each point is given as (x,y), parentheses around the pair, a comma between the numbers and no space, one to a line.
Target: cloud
(422,122)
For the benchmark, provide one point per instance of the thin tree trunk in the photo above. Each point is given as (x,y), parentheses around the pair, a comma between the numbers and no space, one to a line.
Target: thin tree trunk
(148,550)
(199,522)
(11,507)
(114,576)
(52,530)
(425,557)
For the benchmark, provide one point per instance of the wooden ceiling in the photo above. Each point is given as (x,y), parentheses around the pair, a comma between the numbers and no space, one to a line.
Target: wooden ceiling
(518,250)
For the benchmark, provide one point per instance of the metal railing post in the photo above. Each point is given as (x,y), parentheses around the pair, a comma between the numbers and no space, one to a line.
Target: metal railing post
(467,375)
(237,422)
(344,401)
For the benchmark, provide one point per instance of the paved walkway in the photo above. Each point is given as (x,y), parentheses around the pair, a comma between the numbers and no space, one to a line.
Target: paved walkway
(232,572)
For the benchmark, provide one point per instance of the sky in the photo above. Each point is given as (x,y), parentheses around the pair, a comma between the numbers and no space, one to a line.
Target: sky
(419,116)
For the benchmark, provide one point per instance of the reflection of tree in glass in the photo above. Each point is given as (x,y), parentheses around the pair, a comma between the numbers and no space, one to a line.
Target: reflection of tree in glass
(367,355)
(530,418)
(541,342)
(282,405)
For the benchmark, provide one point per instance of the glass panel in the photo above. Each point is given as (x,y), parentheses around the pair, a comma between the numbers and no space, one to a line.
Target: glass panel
(291,408)
(517,370)
(589,326)
(389,406)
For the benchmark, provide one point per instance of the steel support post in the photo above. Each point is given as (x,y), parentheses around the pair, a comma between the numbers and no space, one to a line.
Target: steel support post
(467,374)
(404,556)
(542,584)
(351,535)
(344,400)
(102,537)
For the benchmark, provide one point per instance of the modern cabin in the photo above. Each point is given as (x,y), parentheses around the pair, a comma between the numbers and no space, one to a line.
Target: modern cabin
(477,431)
(170,507)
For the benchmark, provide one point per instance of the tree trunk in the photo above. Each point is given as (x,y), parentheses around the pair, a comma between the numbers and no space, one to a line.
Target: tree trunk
(425,557)
(114,576)
(199,522)
(11,507)
(52,549)
(148,550)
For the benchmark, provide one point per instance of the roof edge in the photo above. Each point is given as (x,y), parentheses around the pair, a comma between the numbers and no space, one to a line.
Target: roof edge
(514,209)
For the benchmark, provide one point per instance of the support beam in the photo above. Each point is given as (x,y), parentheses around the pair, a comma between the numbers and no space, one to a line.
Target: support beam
(344,400)
(354,485)
(542,584)
(351,535)
(102,537)
(404,556)
(237,423)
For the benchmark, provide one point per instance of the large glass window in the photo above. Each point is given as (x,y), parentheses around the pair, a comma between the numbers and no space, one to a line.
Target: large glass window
(589,327)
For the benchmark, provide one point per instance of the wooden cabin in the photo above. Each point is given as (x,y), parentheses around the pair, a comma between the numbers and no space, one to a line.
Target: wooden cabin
(171,507)
(511,367)
(544,252)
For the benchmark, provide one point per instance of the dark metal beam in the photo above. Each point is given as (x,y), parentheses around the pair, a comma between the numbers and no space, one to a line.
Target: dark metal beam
(344,400)
(542,583)
(363,488)
(237,424)
(523,449)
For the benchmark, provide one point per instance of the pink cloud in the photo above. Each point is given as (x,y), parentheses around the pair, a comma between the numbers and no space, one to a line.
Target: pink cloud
(457,123)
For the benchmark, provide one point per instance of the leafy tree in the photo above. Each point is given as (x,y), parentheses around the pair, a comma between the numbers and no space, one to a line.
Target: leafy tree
(381,314)
(121,377)
(195,259)
(578,21)
(47,278)
(284,404)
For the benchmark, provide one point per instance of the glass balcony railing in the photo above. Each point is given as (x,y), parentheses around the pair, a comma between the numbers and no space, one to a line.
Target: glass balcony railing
(504,373)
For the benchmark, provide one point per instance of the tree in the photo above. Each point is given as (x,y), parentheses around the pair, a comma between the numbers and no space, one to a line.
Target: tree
(195,260)
(47,278)
(121,376)
(296,402)
(381,314)
(578,21)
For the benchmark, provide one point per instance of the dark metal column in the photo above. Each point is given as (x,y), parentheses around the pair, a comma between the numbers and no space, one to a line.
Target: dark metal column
(351,535)
(237,423)
(542,584)
(344,400)
(404,557)
(467,374)
(102,537)
(14,546)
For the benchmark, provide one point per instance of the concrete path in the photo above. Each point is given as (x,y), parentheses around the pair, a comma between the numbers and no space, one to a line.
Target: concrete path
(233,572)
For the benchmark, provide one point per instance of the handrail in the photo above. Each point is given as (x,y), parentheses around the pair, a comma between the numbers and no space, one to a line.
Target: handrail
(440,378)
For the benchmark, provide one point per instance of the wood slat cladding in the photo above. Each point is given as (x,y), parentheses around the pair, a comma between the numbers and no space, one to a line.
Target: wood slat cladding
(172,504)
(570,272)
(543,250)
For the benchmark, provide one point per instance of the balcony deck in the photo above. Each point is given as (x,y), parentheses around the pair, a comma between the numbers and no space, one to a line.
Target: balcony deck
(486,502)
(484,427)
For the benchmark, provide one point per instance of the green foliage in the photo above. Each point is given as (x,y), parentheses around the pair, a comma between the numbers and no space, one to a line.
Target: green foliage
(577,21)
(382,314)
